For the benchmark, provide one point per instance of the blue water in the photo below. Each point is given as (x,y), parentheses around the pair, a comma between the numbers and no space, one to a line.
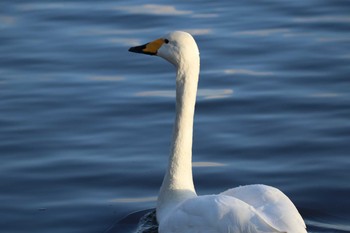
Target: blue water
(85,126)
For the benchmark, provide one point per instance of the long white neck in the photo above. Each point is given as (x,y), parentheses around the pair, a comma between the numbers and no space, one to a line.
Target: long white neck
(178,182)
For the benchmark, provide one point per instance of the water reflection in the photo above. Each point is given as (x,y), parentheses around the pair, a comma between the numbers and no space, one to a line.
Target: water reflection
(198,32)
(47,6)
(323,19)
(207,164)
(153,9)
(106,78)
(325,95)
(248,72)
(7,21)
(202,93)
(104,31)
(328,226)
(134,200)
(333,39)
(124,41)
(262,32)
(159,9)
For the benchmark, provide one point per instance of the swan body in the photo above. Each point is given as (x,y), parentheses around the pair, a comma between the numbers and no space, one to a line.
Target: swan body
(244,209)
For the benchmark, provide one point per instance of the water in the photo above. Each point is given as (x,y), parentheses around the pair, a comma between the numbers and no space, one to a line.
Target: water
(85,125)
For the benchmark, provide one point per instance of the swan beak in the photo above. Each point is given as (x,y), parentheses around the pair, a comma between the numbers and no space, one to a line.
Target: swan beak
(150,48)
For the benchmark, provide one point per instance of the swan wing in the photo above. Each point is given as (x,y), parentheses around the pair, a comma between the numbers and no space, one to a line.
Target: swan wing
(272,205)
(215,214)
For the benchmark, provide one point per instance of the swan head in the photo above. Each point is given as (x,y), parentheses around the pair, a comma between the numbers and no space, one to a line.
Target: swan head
(179,48)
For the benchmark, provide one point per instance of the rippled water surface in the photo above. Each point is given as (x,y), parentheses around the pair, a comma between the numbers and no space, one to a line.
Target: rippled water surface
(85,126)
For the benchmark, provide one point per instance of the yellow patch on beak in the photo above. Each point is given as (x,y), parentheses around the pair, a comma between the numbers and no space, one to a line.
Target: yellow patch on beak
(152,47)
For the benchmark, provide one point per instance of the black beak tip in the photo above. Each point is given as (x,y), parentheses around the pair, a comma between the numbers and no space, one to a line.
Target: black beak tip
(140,49)
(132,49)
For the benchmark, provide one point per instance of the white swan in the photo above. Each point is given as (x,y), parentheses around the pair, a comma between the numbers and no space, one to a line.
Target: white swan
(245,209)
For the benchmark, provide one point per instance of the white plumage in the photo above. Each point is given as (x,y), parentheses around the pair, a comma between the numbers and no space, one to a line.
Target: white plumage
(245,209)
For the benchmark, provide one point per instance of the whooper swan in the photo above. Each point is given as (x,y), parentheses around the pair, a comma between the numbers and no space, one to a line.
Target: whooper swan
(245,209)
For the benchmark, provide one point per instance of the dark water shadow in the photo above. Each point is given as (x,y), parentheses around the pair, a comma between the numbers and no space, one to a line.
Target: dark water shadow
(138,222)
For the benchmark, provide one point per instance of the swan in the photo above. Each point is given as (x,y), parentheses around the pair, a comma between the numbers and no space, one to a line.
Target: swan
(244,209)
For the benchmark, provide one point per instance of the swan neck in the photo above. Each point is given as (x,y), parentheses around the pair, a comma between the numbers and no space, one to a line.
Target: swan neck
(180,161)
(178,181)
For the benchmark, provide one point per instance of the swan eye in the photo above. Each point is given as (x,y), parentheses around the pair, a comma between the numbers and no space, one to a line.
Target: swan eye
(166,41)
